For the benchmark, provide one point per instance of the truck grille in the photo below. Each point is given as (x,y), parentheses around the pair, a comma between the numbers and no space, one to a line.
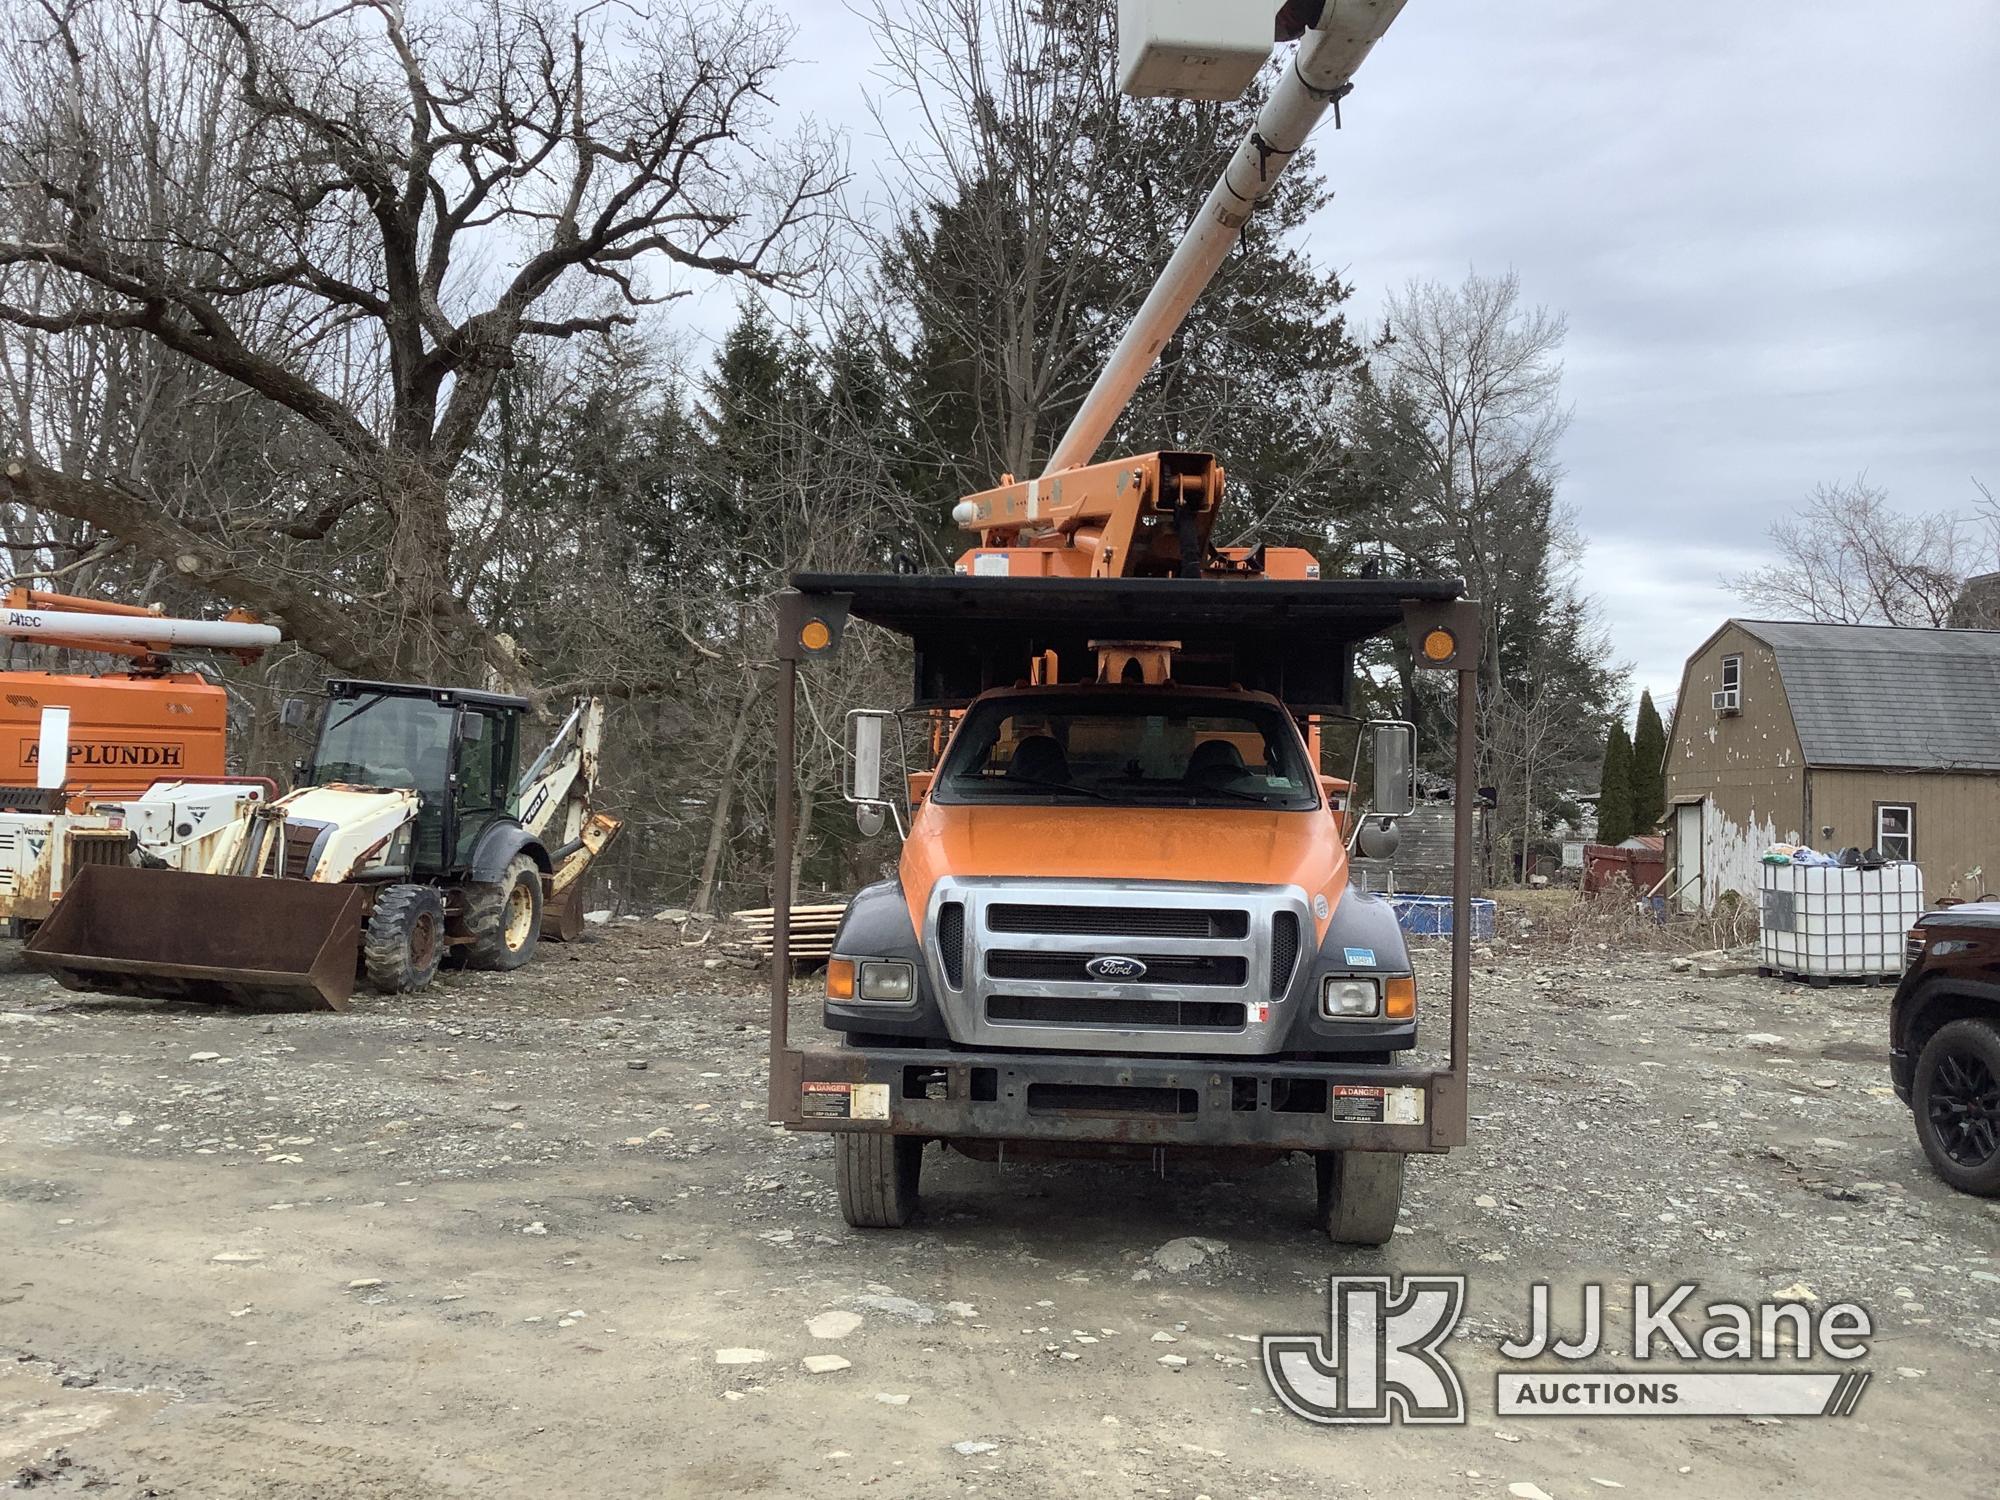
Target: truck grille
(1012,963)
(1050,1010)
(1119,921)
(1070,968)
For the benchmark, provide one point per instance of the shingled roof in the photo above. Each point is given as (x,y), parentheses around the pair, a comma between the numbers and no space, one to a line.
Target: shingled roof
(1878,695)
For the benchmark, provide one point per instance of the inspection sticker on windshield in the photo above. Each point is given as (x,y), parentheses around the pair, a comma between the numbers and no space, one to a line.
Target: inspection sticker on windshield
(844,1101)
(1365,957)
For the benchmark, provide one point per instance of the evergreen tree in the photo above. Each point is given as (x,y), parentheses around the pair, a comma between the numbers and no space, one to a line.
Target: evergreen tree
(1649,767)
(1614,792)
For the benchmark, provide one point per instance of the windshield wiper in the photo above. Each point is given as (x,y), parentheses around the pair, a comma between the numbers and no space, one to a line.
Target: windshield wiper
(1059,787)
(348,718)
(1263,799)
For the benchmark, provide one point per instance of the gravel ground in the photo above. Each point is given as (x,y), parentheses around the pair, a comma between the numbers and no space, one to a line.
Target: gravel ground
(503,1239)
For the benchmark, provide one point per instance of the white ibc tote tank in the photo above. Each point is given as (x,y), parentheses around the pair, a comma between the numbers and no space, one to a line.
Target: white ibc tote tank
(1834,922)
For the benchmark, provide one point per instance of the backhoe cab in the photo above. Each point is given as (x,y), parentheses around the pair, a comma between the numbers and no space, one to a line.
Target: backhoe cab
(458,751)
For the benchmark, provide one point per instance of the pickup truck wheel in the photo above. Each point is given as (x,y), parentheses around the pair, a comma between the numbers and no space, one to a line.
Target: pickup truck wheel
(404,941)
(877,1175)
(1360,1193)
(505,918)
(1957,1105)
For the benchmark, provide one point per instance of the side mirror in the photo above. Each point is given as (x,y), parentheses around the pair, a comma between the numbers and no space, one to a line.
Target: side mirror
(293,713)
(867,759)
(868,730)
(1395,760)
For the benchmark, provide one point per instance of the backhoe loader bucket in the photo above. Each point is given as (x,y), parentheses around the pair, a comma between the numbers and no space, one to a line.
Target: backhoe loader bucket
(264,944)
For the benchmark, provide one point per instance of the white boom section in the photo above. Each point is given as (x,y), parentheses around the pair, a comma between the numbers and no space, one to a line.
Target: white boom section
(139,630)
(1320,71)
(555,791)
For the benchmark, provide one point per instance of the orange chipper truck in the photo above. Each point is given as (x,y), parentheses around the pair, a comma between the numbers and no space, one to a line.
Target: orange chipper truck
(1121,924)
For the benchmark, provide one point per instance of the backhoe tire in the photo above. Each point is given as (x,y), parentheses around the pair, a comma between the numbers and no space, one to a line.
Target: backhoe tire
(405,939)
(1360,1193)
(505,919)
(878,1176)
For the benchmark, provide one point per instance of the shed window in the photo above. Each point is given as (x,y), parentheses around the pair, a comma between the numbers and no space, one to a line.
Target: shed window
(1896,830)
(1732,674)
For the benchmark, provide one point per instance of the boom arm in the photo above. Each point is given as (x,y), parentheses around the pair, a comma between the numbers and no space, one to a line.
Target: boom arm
(1321,72)
(555,790)
(555,807)
(123,629)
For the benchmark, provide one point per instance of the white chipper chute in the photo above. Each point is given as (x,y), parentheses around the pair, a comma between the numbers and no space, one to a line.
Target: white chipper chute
(1197,49)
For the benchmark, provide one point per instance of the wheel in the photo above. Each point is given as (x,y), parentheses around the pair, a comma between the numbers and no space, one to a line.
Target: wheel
(1359,1195)
(878,1176)
(405,938)
(505,919)
(1957,1105)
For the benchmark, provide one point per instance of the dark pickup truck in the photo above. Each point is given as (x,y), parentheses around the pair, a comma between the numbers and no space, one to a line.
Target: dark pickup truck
(1944,1042)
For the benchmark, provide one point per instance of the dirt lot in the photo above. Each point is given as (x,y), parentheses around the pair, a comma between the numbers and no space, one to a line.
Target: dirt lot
(490,1241)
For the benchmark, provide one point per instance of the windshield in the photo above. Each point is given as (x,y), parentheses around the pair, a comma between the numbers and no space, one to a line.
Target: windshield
(1138,750)
(380,739)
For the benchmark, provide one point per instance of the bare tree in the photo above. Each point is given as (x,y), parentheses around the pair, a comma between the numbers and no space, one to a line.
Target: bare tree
(360,216)
(1850,558)
(1472,383)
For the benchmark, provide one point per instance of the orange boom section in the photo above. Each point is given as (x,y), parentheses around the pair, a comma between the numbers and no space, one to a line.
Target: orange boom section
(125,732)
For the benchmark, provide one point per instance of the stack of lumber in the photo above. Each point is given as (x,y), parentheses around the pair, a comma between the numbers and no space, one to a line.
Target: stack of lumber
(812,932)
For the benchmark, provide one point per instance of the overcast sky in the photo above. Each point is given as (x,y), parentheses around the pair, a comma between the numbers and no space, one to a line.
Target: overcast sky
(1771,223)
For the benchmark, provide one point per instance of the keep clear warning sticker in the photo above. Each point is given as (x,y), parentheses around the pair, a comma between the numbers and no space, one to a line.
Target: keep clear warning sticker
(1373,1106)
(844,1101)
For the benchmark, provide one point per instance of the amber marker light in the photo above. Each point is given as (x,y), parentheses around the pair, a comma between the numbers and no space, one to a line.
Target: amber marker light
(1440,645)
(815,636)
(1399,999)
(840,979)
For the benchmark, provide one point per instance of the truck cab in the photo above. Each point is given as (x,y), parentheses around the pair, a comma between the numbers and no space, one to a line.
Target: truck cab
(1121,923)
(1126,869)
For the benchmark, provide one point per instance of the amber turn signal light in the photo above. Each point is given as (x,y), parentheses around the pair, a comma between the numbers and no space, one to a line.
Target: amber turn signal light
(815,636)
(1440,645)
(840,979)
(1399,999)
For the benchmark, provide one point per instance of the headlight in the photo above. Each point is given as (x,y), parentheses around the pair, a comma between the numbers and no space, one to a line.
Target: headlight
(1354,998)
(884,980)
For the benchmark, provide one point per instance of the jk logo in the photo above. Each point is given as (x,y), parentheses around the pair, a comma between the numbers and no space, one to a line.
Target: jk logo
(1380,1360)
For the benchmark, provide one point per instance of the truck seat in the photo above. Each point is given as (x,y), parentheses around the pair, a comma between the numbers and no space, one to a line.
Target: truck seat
(1039,758)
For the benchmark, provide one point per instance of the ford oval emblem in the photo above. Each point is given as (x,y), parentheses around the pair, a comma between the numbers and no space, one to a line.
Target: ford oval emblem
(1113,967)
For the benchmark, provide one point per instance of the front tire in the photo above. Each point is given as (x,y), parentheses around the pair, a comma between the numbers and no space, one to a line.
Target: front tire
(405,939)
(878,1176)
(1360,1194)
(1957,1105)
(505,919)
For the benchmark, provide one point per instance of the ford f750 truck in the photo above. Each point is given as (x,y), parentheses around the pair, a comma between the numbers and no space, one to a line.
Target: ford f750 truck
(1121,923)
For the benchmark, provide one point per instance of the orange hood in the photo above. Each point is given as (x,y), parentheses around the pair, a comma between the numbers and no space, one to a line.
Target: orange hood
(1229,845)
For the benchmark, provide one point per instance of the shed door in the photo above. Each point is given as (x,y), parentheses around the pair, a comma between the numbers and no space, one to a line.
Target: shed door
(1688,881)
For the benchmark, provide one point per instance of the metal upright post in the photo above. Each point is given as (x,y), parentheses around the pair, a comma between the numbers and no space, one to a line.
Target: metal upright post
(781,873)
(1461,875)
